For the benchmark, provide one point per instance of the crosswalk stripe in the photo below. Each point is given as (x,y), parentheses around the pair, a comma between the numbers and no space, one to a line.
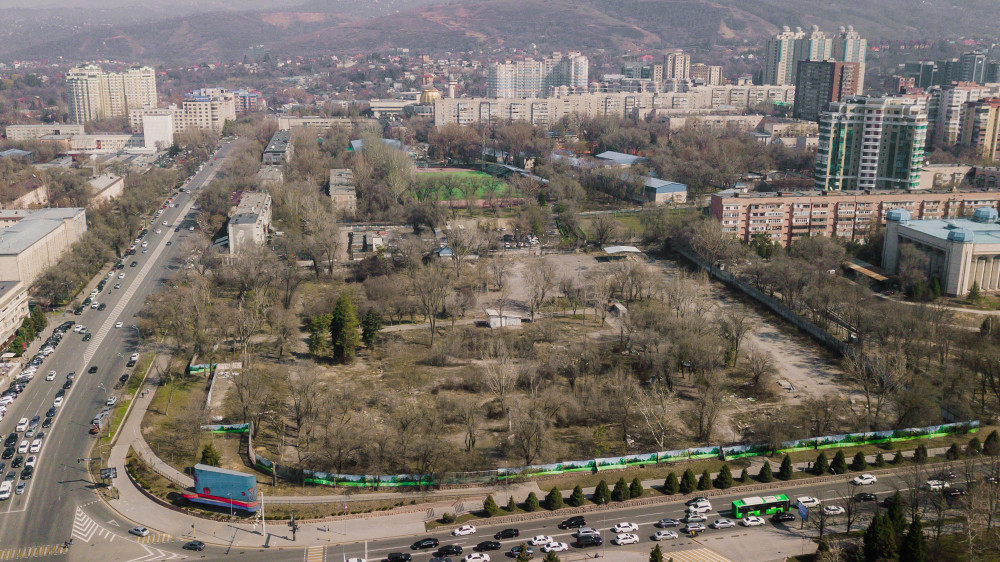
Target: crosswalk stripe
(315,554)
(697,555)
(32,552)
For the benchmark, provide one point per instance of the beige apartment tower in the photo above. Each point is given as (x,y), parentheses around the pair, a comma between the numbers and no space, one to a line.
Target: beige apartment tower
(95,94)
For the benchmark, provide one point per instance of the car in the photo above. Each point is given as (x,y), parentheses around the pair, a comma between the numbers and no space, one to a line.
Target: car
(134,357)
(625,538)
(945,475)
(94,429)
(112,400)
(555,547)
(30,432)
(139,531)
(722,524)
(17,462)
(57,402)
(701,507)
(507,534)
(624,527)
(133,264)
(121,275)
(51,412)
(36,446)
(476,557)
(87,336)
(6,400)
(169,242)
(936,485)
(5,489)
(833,510)
(573,522)
(667,522)
(22,447)
(177,229)
(955,492)
(7,453)
(51,376)
(808,502)
(159,231)
(34,421)
(102,307)
(119,324)
(118,285)
(194,545)
(539,540)
(449,550)
(584,541)
(752,521)
(79,328)
(20,487)
(429,542)
(464,530)
(587,531)
(123,379)
(22,424)
(60,392)
(488,545)
(164,223)
(11,440)
(864,497)
(694,528)
(695,518)
(693,501)
(92,369)
(864,480)
(782,517)
(27,473)
(664,536)
(94,305)
(47,423)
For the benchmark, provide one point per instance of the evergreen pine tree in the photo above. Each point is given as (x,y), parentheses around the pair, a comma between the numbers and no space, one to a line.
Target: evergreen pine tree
(821,466)
(705,481)
(511,505)
(551,557)
(344,329)
(992,444)
(554,500)
(688,482)
(953,453)
(490,506)
(859,462)
(602,494)
(879,459)
(319,331)
(371,324)
(725,478)
(898,458)
(744,476)
(785,471)
(974,448)
(524,555)
(620,493)
(914,547)
(656,555)
(577,498)
(765,474)
(920,454)
(635,489)
(210,456)
(671,486)
(531,503)
(839,464)
(879,542)
(896,514)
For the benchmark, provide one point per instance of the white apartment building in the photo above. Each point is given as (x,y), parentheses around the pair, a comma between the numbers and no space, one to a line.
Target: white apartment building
(158,130)
(95,94)
(207,110)
(677,66)
(13,308)
(947,105)
(783,53)
(249,222)
(34,132)
(38,240)
(532,78)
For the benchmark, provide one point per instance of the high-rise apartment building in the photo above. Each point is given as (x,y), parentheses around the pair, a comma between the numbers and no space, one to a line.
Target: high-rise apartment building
(710,75)
(95,94)
(783,53)
(532,78)
(972,67)
(981,127)
(817,83)
(677,66)
(947,105)
(206,109)
(871,143)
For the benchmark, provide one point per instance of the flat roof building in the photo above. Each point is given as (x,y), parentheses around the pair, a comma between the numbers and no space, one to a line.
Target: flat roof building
(279,150)
(13,308)
(342,192)
(37,241)
(249,222)
(32,132)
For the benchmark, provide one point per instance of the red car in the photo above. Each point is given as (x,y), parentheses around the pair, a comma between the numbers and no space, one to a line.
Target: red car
(95,429)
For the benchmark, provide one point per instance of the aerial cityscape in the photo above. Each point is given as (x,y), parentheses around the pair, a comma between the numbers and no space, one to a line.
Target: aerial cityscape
(497,280)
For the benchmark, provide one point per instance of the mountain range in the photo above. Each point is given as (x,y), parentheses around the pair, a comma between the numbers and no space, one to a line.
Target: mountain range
(194,31)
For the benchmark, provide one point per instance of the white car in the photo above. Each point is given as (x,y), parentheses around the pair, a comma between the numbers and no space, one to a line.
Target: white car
(58,401)
(51,376)
(695,518)
(5,488)
(664,536)
(723,524)
(165,223)
(158,231)
(145,244)
(864,480)
(540,540)
(6,400)
(22,424)
(121,276)
(112,400)
(94,305)
(936,485)
(118,285)
(752,521)
(464,530)
(624,527)
(22,447)
(808,502)
(555,547)
(36,446)
(30,461)
(139,531)
(833,510)
(477,557)
(700,507)
(135,357)
(625,538)
(119,324)
(78,328)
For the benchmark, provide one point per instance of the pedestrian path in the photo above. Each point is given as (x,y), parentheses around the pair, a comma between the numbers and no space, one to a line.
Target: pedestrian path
(32,552)
(696,555)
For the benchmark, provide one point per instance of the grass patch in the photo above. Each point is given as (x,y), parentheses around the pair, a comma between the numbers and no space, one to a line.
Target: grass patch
(177,407)
(437,181)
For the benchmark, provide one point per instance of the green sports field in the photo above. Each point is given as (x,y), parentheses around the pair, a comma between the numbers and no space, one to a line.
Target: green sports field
(433,185)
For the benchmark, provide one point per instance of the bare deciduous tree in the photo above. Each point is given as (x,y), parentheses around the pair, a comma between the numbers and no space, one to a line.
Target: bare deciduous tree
(500,375)
(541,280)
(430,286)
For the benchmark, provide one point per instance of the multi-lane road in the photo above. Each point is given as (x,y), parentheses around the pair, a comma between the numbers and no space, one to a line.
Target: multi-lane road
(44,514)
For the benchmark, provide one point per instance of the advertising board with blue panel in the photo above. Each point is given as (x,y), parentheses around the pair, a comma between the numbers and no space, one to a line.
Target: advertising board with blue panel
(220,487)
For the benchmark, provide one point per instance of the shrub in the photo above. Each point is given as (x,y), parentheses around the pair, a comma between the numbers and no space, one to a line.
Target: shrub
(765,474)
(859,462)
(635,489)
(992,445)
(602,494)
(839,464)
(974,448)
(879,460)
(821,466)
(744,476)
(490,506)
(448,518)
(511,505)
(620,493)
(898,458)
(210,455)
(688,482)
(531,504)
(705,481)
(554,500)
(671,486)
(725,478)
(576,499)
(920,454)
(953,453)
(785,470)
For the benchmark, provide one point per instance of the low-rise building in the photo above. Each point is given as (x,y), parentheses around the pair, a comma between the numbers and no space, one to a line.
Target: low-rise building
(270,175)
(287,122)
(785,217)
(13,308)
(279,150)
(342,192)
(17,154)
(661,192)
(37,241)
(961,253)
(249,221)
(33,132)
(106,187)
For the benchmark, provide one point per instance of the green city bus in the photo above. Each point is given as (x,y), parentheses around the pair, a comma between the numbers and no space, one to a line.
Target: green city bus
(761,506)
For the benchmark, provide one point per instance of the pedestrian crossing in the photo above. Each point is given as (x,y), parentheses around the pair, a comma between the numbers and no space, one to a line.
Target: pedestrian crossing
(153,538)
(85,528)
(32,552)
(696,555)
(315,554)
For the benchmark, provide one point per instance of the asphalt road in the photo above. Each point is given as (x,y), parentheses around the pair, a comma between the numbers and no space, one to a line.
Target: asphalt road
(44,514)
